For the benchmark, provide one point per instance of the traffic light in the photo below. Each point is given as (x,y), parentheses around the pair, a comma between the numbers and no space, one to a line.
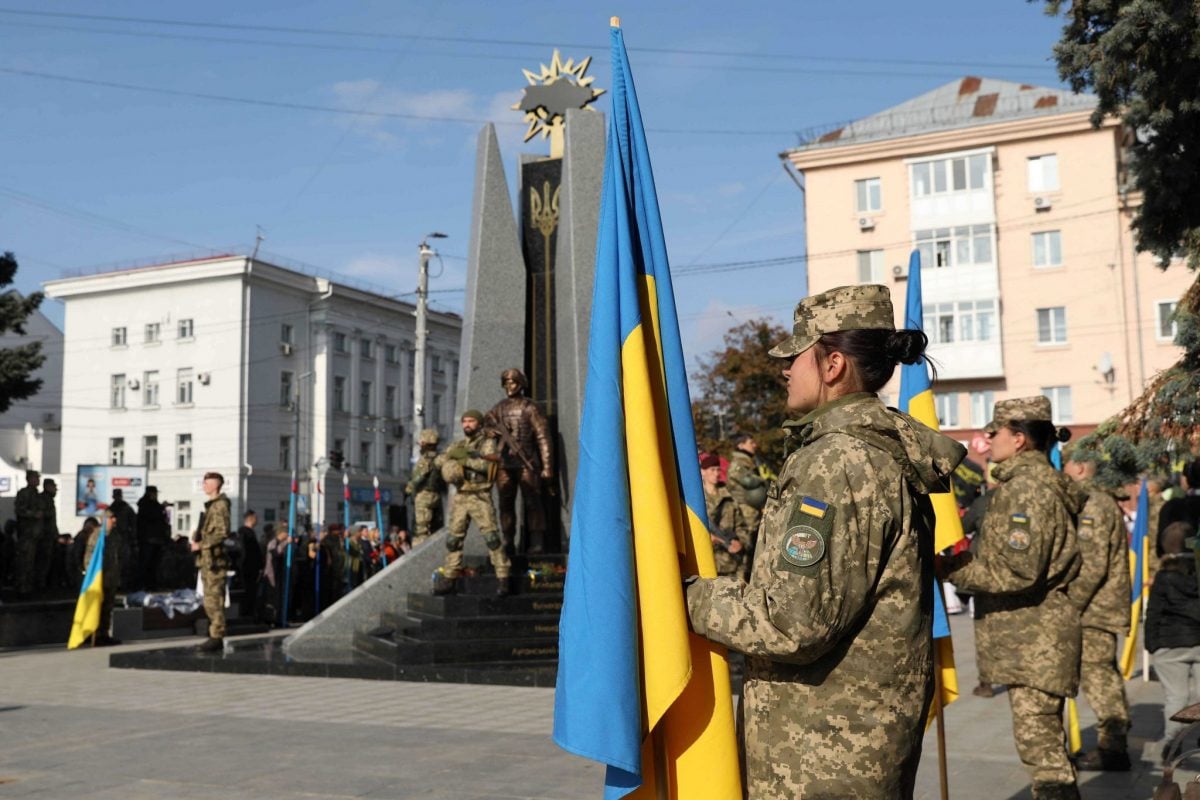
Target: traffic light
(336,459)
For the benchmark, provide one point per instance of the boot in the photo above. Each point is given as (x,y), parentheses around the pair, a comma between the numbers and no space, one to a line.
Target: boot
(983,690)
(212,645)
(443,585)
(1113,753)
(503,586)
(1055,791)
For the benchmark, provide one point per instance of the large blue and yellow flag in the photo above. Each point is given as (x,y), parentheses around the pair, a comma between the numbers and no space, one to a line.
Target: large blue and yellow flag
(1139,569)
(916,399)
(91,593)
(636,690)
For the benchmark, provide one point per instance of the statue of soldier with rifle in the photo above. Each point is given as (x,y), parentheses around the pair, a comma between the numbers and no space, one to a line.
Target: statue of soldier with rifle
(526,461)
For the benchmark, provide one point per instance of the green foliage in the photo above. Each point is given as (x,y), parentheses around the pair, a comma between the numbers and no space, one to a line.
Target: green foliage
(741,389)
(17,363)
(1142,60)
(1118,461)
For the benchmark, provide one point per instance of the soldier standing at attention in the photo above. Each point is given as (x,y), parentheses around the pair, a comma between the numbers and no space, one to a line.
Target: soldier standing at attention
(470,464)
(29,531)
(209,545)
(730,536)
(746,482)
(836,620)
(426,486)
(1102,591)
(1027,626)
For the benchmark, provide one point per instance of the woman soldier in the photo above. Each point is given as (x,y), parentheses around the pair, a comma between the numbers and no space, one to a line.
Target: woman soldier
(1028,628)
(835,620)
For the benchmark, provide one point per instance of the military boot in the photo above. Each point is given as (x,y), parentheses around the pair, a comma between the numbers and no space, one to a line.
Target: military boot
(1055,791)
(1113,753)
(503,586)
(212,645)
(443,585)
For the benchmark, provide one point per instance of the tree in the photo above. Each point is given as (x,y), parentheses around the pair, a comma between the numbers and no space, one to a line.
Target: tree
(1142,60)
(742,390)
(17,363)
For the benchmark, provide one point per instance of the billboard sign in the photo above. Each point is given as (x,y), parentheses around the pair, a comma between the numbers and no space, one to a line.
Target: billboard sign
(94,484)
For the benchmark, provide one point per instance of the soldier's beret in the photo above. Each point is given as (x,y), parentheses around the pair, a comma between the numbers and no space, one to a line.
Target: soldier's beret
(846,308)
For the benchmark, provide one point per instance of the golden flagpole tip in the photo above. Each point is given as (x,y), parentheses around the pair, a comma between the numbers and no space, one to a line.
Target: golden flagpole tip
(614,22)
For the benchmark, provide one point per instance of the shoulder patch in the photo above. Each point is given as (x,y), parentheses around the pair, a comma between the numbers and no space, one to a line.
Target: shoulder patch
(803,546)
(806,538)
(813,507)
(1087,527)
(1087,521)
(1020,519)
(1018,539)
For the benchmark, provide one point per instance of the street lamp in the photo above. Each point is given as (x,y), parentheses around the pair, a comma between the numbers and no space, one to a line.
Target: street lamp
(424,253)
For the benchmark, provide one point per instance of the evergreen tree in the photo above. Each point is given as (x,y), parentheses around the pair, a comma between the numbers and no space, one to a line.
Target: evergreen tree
(1142,60)
(17,363)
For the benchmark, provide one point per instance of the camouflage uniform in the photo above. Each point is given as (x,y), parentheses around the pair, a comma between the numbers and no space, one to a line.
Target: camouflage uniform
(747,486)
(213,563)
(29,531)
(724,515)
(473,501)
(836,618)
(1026,624)
(426,487)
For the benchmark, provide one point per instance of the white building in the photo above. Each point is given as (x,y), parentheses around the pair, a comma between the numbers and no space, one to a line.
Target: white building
(195,366)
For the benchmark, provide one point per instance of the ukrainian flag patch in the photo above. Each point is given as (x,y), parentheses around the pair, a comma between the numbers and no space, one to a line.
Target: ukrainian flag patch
(814,507)
(1020,519)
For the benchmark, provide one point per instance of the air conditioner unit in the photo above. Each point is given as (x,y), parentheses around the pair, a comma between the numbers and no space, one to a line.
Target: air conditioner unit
(1042,203)
(899,272)
(285,348)
(204,378)
(866,224)
(133,383)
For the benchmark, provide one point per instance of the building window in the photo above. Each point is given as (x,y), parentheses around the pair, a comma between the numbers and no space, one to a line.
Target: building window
(150,388)
(870,266)
(868,195)
(186,329)
(183,384)
(435,363)
(364,455)
(389,458)
(339,393)
(1060,403)
(942,176)
(391,354)
(435,410)
(389,402)
(1052,325)
(118,337)
(1165,314)
(364,399)
(285,333)
(183,517)
(1043,173)
(967,321)
(183,451)
(955,247)
(1047,249)
(285,452)
(285,389)
(982,404)
(365,346)
(150,452)
(153,333)
(339,446)
(116,394)
(116,450)
(947,409)
(339,343)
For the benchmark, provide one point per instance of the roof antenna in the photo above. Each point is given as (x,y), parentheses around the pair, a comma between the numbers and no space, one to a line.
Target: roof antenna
(259,235)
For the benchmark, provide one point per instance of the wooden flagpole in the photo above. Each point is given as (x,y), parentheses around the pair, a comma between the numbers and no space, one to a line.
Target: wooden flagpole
(943,780)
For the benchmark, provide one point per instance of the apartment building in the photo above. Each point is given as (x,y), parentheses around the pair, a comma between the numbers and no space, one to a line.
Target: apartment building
(1020,209)
(245,367)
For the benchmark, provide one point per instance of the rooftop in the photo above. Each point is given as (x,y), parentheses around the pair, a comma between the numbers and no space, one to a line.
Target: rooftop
(964,103)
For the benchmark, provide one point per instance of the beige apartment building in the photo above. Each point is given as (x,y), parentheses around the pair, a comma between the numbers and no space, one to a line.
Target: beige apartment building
(1021,211)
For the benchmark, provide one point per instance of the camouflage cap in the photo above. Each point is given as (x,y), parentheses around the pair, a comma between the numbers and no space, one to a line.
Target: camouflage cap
(1019,409)
(846,308)
(428,436)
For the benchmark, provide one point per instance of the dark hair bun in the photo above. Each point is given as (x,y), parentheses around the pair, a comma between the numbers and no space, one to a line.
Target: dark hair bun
(906,346)
(1063,434)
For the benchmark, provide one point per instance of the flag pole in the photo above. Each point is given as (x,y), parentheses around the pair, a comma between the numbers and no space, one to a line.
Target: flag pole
(943,780)
(379,525)
(348,578)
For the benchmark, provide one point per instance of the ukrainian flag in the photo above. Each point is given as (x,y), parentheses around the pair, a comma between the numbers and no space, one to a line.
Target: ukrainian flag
(636,690)
(916,399)
(1139,568)
(91,594)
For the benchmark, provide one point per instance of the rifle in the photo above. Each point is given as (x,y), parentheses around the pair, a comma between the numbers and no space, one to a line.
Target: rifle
(506,440)
(727,538)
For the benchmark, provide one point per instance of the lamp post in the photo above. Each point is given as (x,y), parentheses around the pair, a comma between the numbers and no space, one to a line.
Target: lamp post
(424,253)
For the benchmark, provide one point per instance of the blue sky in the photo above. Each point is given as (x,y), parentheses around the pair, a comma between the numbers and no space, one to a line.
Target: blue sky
(94,175)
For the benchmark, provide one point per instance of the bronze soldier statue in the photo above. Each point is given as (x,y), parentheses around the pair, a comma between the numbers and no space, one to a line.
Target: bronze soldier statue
(526,460)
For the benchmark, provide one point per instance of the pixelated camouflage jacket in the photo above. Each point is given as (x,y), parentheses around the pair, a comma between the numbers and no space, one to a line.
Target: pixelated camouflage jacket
(724,519)
(1027,630)
(478,472)
(745,484)
(426,480)
(1102,589)
(836,617)
(213,531)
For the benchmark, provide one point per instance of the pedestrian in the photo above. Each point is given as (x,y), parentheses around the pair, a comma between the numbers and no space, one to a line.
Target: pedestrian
(746,480)
(208,543)
(728,532)
(127,537)
(111,564)
(1029,631)
(50,556)
(836,620)
(275,569)
(153,537)
(29,512)
(251,566)
(426,487)
(1173,627)
(1185,508)
(333,565)
(1102,591)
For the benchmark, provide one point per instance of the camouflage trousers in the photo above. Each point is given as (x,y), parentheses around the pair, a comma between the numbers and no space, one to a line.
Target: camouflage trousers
(1038,732)
(427,515)
(214,601)
(477,507)
(1104,687)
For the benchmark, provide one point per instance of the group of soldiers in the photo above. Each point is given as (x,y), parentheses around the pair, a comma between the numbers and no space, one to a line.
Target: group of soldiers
(510,448)
(735,506)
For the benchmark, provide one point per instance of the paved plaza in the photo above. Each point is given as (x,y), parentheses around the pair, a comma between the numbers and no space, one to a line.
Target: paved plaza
(72,727)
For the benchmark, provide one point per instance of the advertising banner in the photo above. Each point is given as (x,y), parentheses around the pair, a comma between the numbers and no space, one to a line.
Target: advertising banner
(94,484)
